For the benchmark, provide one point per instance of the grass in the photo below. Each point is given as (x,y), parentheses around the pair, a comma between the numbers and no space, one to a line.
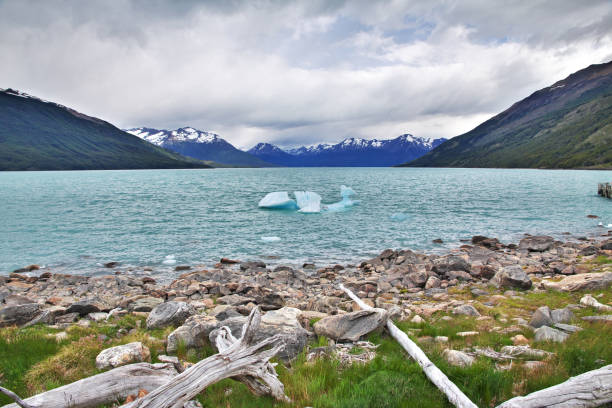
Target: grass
(31,362)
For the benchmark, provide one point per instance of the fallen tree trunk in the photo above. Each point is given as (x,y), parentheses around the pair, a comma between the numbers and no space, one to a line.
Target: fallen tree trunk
(240,359)
(105,388)
(435,375)
(591,389)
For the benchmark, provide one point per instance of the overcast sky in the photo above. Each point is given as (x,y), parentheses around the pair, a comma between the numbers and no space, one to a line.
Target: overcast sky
(298,72)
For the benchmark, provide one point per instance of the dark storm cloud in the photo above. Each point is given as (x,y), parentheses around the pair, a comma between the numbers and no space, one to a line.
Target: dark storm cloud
(297,72)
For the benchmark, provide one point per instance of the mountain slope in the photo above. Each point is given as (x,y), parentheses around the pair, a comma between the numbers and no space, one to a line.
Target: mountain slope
(199,145)
(349,152)
(41,135)
(566,125)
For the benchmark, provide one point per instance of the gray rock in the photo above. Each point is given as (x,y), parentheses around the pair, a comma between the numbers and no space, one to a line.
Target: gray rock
(16,300)
(85,306)
(169,314)
(284,321)
(121,355)
(564,315)
(567,328)
(467,310)
(583,281)
(537,243)
(193,334)
(47,316)
(546,333)
(432,282)
(524,352)
(351,326)
(604,318)
(541,317)
(145,304)
(67,318)
(234,300)
(224,312)
(512,276)
(458,358)
(445,264)
(19,314)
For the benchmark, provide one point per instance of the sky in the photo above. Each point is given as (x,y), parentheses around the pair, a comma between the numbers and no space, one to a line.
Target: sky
(298,72)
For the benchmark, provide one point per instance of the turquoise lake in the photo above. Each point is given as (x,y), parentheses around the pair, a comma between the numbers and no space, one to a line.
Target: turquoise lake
(75,221)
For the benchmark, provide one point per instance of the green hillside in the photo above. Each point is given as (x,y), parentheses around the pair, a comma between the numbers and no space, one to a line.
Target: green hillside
(39,135)
(567,125)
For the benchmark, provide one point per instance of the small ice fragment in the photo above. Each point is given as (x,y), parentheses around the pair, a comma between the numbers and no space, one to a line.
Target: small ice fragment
(399,217)
(278,200)
(346,193)
(270,239)
(600,224)
(308,201)
(169,260)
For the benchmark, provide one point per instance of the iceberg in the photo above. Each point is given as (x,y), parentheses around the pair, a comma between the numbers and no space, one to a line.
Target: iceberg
(345,193)
(278,200)
(308,201)
(270,239)
(399,217)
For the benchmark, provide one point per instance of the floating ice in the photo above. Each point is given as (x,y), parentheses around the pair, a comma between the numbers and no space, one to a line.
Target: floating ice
(278,200)
(399,217)
(308,201)
(169,260)
(270,239)
(345,193)
(609,226)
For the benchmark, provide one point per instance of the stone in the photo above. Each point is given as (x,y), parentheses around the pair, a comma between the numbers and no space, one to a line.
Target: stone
(417,319)
(519,340)
(512,276)
(604,318)
(85,306)
(135,352)
(351,326)
(432,282)
(67,318)
(537,243)
(16,300)
(583,281)
(441,339)
(97,316)
(223,312)
(18,315)
(458,358)
(47,316)
(568,328)
(589,300)
(234,300)
(144,304)
(169,314)
(564,315)
(546,333)
(524,352)
(467,310)
(588,251)
(533,365)
(541,317)
(193,334)
(468,333)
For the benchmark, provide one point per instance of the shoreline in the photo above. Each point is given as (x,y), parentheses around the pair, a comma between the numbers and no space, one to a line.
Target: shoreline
(394,275)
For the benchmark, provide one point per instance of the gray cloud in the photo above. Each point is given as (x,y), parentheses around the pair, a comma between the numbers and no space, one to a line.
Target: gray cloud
(297,72)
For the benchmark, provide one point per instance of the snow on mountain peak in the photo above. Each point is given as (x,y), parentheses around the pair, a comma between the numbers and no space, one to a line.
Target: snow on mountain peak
(185,134)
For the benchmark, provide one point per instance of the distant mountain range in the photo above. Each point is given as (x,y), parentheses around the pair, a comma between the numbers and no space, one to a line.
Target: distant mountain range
(39,135)
(199,145)
(566,125)
(349,152)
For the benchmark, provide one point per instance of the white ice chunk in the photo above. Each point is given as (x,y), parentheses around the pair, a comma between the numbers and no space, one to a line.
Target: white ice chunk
(346,193)
(399,217)
(308,201)
(270,239)
(169,260)
(278,200)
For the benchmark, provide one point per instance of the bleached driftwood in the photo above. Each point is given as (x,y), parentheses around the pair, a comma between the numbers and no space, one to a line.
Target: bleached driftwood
(591,389)
(15,398)
(105,388)
(589,300)
(240,359)
(440,380)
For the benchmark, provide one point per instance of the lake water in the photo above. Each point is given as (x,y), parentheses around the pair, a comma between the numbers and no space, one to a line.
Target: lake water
(75,221)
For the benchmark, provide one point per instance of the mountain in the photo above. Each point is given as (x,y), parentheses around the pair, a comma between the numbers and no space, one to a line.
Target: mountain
(199,145)
(566,125)
(41,135)
(349,152)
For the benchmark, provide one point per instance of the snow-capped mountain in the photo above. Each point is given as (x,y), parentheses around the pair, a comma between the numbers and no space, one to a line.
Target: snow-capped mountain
(349,152)
(198,144)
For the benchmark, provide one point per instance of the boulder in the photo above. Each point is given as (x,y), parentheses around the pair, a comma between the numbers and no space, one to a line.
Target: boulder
(564,315)
(117,356)
(18,315)
(467,310)
(351,326)
(223,312)
(445,264)
(583,281)
(512,276)
(193,334)
(234,300)
(546,333)
(541,317)
(458,358)
(144,304)
(169,314)
(537,243)
(86,306)
(283,321)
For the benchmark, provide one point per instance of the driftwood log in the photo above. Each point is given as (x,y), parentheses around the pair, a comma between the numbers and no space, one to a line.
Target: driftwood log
(591,389)
(435,375)
(105,388)
(240,359)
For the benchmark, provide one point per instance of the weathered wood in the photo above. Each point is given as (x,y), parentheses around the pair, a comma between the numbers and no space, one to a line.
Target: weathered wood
(604,190)
(105,388)
(591,389)
(15,398)
(239,359)
(435,375)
